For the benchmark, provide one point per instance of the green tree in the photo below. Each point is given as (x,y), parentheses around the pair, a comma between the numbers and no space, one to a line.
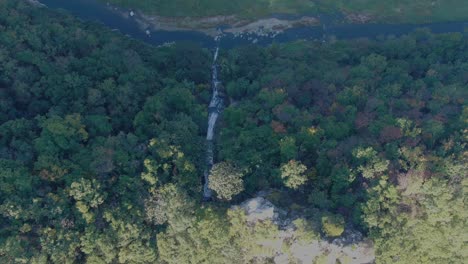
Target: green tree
(333,225)
(250,238)
(371,165)
(14,179)
(60,138)
(206,239)
(288,149)
(426,218)
(87,195)
(169,204)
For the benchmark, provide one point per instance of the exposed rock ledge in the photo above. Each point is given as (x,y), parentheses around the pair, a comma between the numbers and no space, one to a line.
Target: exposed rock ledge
(210,25)
(35,3)
(264,27)
(350,248)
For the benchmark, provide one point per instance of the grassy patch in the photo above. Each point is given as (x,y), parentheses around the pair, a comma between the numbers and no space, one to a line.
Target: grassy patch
(411,11)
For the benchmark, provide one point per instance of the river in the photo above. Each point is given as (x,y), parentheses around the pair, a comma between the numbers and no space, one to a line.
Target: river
(92,10)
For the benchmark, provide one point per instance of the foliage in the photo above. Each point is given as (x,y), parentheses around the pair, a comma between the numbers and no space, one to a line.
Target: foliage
(170,205)
(256,240)
(293,174)
(426,216)
(333,225)
(204,239)
(226,180)
(102,154)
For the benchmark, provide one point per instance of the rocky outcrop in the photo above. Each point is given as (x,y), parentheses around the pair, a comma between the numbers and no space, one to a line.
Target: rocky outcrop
(272,26)
(35,3)
(359,18)
(259,209)
(210,25)
(288,246)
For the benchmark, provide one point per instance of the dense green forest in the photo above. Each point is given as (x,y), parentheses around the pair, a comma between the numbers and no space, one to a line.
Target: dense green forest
(409,11)
(102,145)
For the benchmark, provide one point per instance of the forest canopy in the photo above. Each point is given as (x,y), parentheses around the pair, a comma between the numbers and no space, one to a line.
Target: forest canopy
(102,144)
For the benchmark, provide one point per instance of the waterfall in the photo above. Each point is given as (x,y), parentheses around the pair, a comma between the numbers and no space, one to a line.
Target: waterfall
(214,109)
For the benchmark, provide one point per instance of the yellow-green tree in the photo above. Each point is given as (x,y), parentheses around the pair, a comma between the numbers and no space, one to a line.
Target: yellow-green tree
(293,174)
(226,180)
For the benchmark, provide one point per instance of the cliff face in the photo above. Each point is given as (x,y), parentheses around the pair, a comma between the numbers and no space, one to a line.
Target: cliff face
(294,242)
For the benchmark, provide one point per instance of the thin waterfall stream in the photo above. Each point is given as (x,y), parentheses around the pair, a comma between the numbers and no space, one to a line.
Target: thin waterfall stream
(214,110)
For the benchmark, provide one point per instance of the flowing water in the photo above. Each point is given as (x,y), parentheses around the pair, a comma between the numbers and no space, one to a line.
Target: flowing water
(214,110)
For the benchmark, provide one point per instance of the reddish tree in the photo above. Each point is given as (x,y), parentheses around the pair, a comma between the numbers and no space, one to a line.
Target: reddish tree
(362,120)
(441,118)
(278,127)
(390,133)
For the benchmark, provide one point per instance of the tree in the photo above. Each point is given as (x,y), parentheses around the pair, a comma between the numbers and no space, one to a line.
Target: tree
(60,138)
(255,242)
(169,205)
(288,148)
(293,174)
(241,88)
(99,247)
(13,250)
(87,195)
(206,239)
(390,133)
(433,131)
(424,216)
(14,179)
(333,225)
(371,165)
(226,180)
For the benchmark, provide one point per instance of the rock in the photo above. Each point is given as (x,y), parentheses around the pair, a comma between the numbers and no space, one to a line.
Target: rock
(359,18)
(259,209)
(285,247)
(36,3)
(306,253)
(281,259)
(348,237)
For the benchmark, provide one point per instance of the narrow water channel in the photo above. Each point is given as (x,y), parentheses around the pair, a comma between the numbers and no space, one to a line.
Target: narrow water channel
(214,110)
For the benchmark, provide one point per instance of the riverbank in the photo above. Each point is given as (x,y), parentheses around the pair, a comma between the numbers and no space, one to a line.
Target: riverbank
(35,3)
(279,29)
(355,11)
(212,26)
(270,24)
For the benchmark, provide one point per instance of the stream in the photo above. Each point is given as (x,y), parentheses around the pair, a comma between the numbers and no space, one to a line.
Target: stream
(214,110)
